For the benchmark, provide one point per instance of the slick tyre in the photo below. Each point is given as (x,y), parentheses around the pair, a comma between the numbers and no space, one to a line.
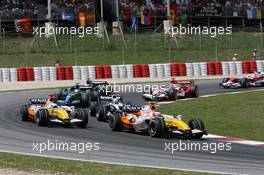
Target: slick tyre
(156,128)
(172,94)
(197,124)
(82,114)
(115,122)
(195,91)
(100,114)
(85,100)
(244,83)
(24,113)
(41,117)
(93,108)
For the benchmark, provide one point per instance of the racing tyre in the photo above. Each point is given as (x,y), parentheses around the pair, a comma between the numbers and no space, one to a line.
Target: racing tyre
(115,122)
(93,108)
(24,113)
(41,117)
(95,96)
(172,94)
(82,114)
(100,114)
(85,100)
(156,128)
(244,83)
(197,124)
(195,91)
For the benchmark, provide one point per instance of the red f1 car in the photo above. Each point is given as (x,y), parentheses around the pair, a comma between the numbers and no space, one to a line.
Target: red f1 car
(252,80)
(177,89)
(185,89)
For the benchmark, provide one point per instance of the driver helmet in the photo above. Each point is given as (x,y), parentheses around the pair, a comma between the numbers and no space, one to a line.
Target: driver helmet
(120,105)
(76,91)
(179,117)
(152,106)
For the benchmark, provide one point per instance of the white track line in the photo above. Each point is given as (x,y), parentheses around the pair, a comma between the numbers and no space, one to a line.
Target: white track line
(112,163)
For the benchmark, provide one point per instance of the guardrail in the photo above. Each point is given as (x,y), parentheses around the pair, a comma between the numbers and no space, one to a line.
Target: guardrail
(130,71)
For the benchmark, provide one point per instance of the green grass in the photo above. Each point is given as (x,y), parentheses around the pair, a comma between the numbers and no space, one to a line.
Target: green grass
(32,163)
(149,48)
(237,115)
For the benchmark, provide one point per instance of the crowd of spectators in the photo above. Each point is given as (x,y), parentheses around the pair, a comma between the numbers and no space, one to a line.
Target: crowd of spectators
(30,8)
(17,8)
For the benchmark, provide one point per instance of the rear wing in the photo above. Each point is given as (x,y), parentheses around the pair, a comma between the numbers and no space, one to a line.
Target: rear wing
(184,82)
(110,98)
(133,109)
(38,101)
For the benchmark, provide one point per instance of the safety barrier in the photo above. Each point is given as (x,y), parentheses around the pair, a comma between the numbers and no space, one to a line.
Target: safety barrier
(130,71)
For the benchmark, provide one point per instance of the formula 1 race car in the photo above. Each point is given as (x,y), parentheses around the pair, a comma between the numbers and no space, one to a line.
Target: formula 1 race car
(252,80)
(45,111)
(185,89)
(112,105)
(162,93)
(157,125)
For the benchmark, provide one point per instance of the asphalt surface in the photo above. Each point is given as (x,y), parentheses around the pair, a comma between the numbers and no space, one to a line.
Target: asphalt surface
(122,147)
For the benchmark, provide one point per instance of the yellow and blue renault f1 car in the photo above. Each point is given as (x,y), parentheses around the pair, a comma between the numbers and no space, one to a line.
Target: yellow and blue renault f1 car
(157,125)
(45,111)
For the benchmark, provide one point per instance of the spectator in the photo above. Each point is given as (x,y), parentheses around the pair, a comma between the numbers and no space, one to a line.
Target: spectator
(235,57)
(254,54)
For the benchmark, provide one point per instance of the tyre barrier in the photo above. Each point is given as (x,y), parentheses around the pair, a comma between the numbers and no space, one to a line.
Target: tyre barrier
(45,74)
(21,74)
(211,68)
(6,74)
(225,68)
(145,70)
(203,69)
(30,74)
(196,69)
(232,68)
(38,73)
(189,69)
(130,71)
(84,72)
(13,74)
(182,69)
(53,73)
(68,73)
(122,71)
(107,72)
(99,72)
(218,68)
(91,72)
(175,70)
(160,70)
(167,70)
(239,67)
(137,70)
(76,72)
(115,71)
(152,70)
(1,76)
(253,66)
(61,73)
(260,66)
(246,67)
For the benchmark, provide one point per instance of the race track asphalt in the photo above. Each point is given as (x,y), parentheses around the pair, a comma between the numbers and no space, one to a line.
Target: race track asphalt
(122,147)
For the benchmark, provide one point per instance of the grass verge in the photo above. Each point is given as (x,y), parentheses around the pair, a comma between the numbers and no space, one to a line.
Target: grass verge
(236,115)
(49,165)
